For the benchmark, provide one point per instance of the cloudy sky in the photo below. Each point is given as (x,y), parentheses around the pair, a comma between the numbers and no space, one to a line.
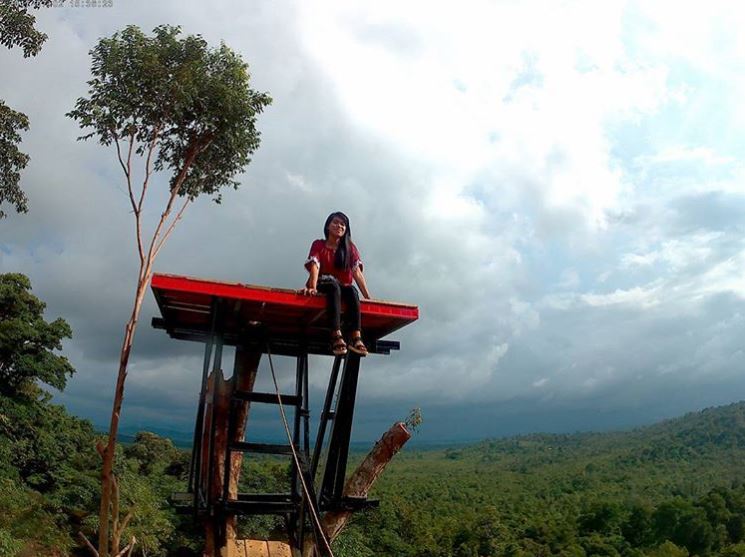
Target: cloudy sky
(558,185)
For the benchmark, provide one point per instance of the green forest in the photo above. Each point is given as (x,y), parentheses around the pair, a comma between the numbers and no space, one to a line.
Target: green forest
(672,489)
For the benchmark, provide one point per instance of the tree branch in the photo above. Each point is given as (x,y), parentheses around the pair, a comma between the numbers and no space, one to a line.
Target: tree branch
(150,150)
(119,156)
(170,228)
(88,544)
(145,183)
(128,549)
(138,208)
(126,520)
(129,160)
(127,168)
(191,154)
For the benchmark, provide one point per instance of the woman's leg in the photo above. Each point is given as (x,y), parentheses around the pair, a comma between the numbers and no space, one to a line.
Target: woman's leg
(332,290)
(352,315)
(353,319)
(333,308)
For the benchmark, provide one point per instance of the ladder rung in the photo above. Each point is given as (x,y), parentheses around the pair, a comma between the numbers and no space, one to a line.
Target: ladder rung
(268,398)
(180,499)
(261,507)
(265,448)
(266,498)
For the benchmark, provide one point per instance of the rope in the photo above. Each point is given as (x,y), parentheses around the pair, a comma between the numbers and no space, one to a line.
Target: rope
(311,502)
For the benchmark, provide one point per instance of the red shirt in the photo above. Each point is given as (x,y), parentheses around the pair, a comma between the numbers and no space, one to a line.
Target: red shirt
(324,257)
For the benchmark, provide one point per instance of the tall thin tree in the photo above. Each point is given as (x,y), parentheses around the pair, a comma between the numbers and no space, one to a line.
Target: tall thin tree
(172,105)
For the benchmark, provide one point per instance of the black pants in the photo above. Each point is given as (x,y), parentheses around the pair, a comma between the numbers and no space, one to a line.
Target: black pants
(335,294)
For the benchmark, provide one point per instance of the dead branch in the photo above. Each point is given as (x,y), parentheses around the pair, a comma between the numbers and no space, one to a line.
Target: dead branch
(363,478)
(128,548)
(88,544)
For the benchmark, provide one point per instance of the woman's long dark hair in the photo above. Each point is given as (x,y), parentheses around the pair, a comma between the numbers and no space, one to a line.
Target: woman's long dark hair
(343,258)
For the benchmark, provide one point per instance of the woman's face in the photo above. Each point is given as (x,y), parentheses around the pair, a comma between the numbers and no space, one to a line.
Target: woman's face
(337,227)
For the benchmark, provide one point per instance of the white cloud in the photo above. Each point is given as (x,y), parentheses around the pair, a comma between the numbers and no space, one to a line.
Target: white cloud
(635,296)
(492,85)
(551,192)
(706,155)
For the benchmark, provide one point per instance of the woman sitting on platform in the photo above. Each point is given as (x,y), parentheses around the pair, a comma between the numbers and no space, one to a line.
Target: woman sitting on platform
(333,263)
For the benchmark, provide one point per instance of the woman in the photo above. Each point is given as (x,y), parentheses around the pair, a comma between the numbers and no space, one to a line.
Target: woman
(333,263)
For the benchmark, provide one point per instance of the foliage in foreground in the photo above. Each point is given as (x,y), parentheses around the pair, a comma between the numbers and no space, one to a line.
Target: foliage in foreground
(49,484)
(28,341)
(17,29)
(670,490)
(666,491)
(675,489)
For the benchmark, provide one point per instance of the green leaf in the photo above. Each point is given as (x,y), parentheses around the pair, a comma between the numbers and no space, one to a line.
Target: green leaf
(17,25)
(28,342)
(12,160)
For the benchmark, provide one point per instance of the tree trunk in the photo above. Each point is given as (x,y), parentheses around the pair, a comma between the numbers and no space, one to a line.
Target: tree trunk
(143,279)
(362,480)
(108,456)
(245,369)
(246,366)
(219,423)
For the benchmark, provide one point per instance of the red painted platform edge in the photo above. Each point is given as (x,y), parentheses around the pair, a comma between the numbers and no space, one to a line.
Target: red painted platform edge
(286,296)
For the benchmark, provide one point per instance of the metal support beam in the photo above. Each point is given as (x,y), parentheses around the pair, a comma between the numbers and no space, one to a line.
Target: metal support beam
(326,414)
(216,368)
(341,432)
(195,466)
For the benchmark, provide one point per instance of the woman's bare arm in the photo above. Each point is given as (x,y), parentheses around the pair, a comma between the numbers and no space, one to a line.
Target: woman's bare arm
(312,283)
(359,278)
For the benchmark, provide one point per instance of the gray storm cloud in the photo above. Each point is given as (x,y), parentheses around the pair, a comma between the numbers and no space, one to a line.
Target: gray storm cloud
(563,282)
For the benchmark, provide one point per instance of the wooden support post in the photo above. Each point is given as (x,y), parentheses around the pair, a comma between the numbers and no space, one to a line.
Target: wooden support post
(216,423)
(244,373)
(219,418)
(209,530)
(362,480)
(201,489)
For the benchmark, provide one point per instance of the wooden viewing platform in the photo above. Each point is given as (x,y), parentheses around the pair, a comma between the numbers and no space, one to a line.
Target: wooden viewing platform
(261,320)
(250,313)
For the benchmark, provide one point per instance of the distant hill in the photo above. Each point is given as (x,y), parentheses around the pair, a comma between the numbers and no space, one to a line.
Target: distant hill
(611,494)
(696,437)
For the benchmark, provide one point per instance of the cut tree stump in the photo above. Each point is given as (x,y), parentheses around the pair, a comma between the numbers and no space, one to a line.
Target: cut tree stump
(362,480)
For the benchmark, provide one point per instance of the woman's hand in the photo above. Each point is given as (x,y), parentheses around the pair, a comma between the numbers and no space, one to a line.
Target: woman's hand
(312,282)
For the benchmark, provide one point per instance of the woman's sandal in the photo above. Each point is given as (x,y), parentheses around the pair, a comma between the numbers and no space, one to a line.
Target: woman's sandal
(357,346)
(338,346)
